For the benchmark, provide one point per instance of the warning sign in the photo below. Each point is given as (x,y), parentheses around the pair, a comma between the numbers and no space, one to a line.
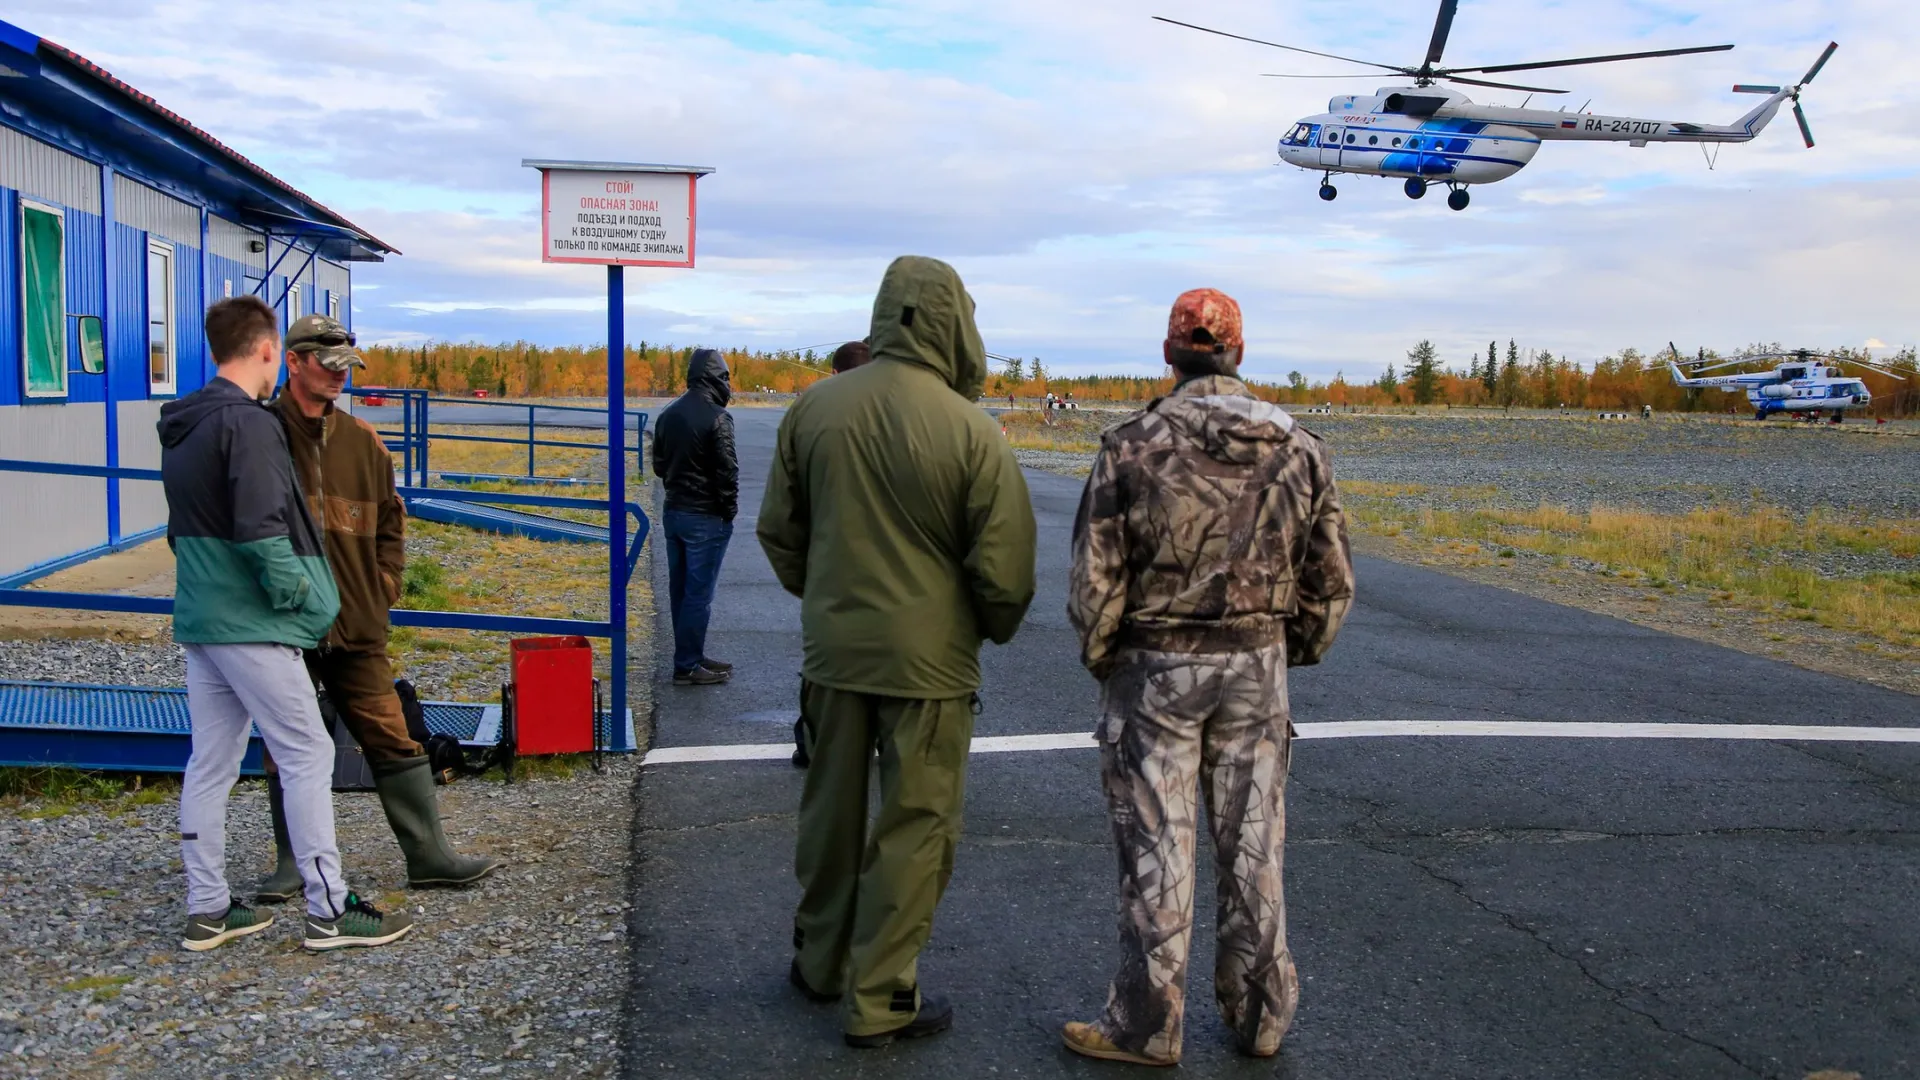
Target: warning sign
(617,218)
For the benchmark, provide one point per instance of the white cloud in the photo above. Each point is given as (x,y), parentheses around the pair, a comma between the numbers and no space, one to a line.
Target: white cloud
(1080,163)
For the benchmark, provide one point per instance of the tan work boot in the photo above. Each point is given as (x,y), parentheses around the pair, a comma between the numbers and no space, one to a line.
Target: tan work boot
(1085,1039)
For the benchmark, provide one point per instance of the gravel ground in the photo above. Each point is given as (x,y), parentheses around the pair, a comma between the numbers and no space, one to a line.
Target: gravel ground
(1669,465)
(523,975)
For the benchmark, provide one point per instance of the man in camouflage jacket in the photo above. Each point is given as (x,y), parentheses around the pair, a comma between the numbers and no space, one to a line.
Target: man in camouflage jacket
(1209,555)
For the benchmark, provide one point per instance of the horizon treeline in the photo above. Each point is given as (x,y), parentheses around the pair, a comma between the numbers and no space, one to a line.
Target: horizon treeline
(1505,375)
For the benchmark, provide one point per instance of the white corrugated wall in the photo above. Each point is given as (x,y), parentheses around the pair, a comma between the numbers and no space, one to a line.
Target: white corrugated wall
(143,503)
(52,516)
(138,206)
(42,171)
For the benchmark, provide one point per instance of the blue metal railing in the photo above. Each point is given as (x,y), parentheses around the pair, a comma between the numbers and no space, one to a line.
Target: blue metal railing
(412,440)
(620,570)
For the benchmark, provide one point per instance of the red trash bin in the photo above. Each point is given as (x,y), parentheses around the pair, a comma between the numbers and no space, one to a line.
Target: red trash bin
(553,695)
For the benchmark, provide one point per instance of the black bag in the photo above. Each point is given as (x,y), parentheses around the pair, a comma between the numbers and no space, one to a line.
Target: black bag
(351,772)
(445,756)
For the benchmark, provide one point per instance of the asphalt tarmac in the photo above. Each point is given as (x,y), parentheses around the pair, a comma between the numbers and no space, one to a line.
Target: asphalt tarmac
(1458,907)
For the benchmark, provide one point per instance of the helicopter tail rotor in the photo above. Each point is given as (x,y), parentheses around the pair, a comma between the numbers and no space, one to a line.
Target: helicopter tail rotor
(1799,115)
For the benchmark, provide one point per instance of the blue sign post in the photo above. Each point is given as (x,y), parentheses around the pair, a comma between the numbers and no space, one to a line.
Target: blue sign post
(617,214)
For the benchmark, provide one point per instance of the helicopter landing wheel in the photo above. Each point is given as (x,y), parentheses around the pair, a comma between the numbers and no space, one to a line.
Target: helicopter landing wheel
(1458,198)
(1328,192)
(1415,187)
(1760,415)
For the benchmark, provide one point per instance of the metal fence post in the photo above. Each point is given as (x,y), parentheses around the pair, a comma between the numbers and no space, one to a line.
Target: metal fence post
(529,442)
(617,505)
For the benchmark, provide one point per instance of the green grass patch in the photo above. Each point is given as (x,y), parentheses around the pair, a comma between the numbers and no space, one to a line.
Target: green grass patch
(102,987)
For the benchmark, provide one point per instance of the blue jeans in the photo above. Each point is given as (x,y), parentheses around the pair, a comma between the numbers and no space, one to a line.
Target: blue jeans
(696,543)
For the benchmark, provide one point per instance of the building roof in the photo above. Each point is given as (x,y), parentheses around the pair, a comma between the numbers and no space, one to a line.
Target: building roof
(81,97)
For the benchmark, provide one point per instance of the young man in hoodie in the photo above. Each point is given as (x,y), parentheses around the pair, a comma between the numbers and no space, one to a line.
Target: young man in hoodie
(1209,555)
(347,476)
(252,590)
(694,457)
(897,514)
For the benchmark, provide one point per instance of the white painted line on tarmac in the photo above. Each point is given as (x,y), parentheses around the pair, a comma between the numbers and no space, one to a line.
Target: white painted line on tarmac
(1373,729)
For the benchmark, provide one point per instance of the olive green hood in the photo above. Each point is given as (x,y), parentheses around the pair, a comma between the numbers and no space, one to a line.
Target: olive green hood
(924,316)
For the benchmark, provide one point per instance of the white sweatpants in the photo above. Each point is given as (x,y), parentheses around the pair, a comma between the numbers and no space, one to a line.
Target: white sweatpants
(230,687)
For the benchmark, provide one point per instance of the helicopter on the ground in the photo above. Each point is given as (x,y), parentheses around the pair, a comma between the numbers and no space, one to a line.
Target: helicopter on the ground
(1434,135)
(1801,382)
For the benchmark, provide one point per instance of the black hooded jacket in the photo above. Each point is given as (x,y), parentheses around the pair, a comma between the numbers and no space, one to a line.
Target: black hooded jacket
(693,442)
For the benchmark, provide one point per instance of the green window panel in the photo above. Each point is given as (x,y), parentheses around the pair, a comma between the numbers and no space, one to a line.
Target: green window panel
(43,278)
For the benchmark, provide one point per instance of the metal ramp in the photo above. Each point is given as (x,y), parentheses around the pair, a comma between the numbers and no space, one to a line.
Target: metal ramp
(510,522)
(144,729)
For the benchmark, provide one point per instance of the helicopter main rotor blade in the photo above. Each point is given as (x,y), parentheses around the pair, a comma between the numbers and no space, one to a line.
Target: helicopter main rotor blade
(1289,48)
(1278,75)
(1870,367)
(1493,68)
(1442,26)
(1805,131)
(1820,63)
(1745,88)
(1500,85)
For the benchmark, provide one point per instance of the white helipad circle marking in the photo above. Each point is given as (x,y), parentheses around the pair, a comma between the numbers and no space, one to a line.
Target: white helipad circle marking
(1368,729)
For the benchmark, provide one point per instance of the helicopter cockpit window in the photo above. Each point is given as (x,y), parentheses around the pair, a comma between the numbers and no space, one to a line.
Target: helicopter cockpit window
(1301,135)
(1792,373)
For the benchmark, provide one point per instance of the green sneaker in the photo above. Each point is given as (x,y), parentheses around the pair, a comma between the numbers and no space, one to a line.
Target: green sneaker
(360,926)
(206,932)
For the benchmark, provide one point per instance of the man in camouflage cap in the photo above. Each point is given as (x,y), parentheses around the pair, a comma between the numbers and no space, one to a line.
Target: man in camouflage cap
(1209,555)
(347,475)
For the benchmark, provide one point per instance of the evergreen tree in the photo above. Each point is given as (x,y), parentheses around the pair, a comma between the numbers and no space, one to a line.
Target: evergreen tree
(1015,371)
(1297,382)
(1473,368)
(1509,388)
(1389,383)
(1422,374)
(1039,372)
(1490,375)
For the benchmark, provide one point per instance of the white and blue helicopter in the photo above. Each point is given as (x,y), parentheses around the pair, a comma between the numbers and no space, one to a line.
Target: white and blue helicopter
(1800,383)
(1431,135)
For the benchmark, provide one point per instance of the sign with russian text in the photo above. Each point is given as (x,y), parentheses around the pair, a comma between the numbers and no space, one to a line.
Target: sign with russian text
(617,218)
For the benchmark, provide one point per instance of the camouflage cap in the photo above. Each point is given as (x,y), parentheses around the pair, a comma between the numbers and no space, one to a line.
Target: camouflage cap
(1204,317)
(326,340)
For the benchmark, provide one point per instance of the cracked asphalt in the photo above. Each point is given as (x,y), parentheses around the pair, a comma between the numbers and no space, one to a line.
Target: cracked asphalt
(1478,908)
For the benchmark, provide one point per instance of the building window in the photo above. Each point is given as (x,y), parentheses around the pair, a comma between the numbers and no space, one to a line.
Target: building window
(43,289)
(333,306)
(293,304)
(160,351)
(226,288)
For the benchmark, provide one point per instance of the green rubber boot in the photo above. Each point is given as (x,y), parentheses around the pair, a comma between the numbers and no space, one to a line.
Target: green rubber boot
(406,793)
(284,883)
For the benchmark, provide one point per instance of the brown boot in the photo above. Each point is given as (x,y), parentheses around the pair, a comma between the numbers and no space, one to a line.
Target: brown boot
(1085,1039)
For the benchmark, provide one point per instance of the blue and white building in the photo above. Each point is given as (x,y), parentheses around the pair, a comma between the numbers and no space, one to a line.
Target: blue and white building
(120,222)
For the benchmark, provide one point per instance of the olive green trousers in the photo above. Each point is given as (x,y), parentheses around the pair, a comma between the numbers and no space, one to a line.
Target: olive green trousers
(868,891)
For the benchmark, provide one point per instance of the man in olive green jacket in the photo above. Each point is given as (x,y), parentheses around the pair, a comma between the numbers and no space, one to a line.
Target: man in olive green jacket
(897,513)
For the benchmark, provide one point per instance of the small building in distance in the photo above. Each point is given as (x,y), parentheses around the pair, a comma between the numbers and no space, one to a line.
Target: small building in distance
(120,222)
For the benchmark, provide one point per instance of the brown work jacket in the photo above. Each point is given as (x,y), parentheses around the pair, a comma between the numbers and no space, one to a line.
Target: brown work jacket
(347,476)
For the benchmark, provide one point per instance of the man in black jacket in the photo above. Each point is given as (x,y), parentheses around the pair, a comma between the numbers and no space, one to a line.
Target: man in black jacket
(693,456)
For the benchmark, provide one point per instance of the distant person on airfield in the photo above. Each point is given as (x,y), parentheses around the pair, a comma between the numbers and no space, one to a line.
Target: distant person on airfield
(694,457)
(850,356)
(347,476)
(252,590)
(897,513)
(1209,555)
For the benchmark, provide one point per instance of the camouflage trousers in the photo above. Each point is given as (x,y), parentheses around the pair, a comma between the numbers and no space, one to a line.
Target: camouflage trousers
(1172,723)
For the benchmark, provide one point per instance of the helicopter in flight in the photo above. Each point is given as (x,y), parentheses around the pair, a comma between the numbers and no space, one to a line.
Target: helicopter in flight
(1430,134)
(1799,383)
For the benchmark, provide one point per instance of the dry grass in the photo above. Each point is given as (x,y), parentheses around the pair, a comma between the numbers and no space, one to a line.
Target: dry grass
(1068,433)
(446,454)
(1761,557)
(452,568)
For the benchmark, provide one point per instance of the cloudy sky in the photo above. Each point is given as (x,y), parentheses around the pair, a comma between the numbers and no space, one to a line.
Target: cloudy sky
(1079,163)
